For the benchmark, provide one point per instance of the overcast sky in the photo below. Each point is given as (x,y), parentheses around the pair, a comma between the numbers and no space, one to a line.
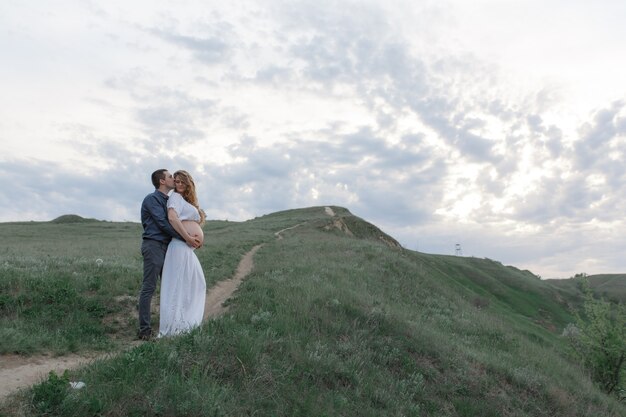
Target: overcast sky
(499,125)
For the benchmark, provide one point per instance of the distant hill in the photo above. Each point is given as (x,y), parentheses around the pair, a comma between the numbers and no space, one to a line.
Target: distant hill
(72,218)
(608,286)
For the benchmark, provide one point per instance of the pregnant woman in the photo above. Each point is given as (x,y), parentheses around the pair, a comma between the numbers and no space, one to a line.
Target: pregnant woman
(183,288)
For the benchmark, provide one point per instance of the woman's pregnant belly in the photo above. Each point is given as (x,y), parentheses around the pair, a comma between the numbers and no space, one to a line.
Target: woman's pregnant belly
(194,229)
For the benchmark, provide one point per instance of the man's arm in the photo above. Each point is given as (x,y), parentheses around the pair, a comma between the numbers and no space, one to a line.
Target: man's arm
(160,218)
(192,240)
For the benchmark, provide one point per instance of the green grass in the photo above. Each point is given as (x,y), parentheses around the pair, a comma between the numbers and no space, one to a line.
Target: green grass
(59,283)
(328,325)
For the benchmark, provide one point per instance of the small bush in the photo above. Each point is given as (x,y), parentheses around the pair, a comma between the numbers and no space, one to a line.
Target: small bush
(50,394)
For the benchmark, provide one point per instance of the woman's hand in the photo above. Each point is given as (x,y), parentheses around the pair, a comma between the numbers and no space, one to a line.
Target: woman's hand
(198,241)
(195,242)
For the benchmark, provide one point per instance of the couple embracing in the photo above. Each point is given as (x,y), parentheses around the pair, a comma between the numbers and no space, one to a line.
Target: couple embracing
(171,231)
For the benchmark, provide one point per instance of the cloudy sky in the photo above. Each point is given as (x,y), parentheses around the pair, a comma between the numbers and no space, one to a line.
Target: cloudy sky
(496,124)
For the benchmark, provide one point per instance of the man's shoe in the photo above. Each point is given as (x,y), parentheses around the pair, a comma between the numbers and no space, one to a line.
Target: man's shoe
(145,335)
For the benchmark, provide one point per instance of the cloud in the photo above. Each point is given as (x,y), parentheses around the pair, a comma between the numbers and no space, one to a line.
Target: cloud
(53,190)
(208,50)
(274,74)
(48,189)
(175,116)
(338,48)
(358,170)
(598,136)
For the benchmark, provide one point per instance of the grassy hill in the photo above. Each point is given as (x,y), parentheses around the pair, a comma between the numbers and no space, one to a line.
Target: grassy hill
(608,286)
(336,319)
(72,218)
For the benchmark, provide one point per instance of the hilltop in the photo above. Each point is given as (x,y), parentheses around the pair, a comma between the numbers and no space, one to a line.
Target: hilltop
(335,318)
(72,218)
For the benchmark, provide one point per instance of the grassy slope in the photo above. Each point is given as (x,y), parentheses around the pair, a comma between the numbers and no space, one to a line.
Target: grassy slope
(329,324)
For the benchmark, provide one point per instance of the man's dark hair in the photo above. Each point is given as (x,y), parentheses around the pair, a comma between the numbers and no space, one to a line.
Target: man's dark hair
(157,176)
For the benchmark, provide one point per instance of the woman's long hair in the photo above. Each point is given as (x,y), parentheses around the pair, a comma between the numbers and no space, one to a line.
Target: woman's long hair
(190,192)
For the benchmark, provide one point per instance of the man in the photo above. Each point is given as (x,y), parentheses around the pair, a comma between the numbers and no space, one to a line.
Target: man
(157,234)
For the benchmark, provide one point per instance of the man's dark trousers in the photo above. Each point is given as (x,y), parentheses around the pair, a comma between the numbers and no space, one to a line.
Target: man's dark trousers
(153,253)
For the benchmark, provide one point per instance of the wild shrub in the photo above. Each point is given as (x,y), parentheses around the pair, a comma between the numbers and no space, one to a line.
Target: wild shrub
(599,340)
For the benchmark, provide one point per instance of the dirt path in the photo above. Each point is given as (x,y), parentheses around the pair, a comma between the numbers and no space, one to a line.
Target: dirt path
(19,372)
(222,291)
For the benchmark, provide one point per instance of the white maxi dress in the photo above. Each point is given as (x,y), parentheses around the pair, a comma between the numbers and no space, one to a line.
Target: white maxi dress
(183,288)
